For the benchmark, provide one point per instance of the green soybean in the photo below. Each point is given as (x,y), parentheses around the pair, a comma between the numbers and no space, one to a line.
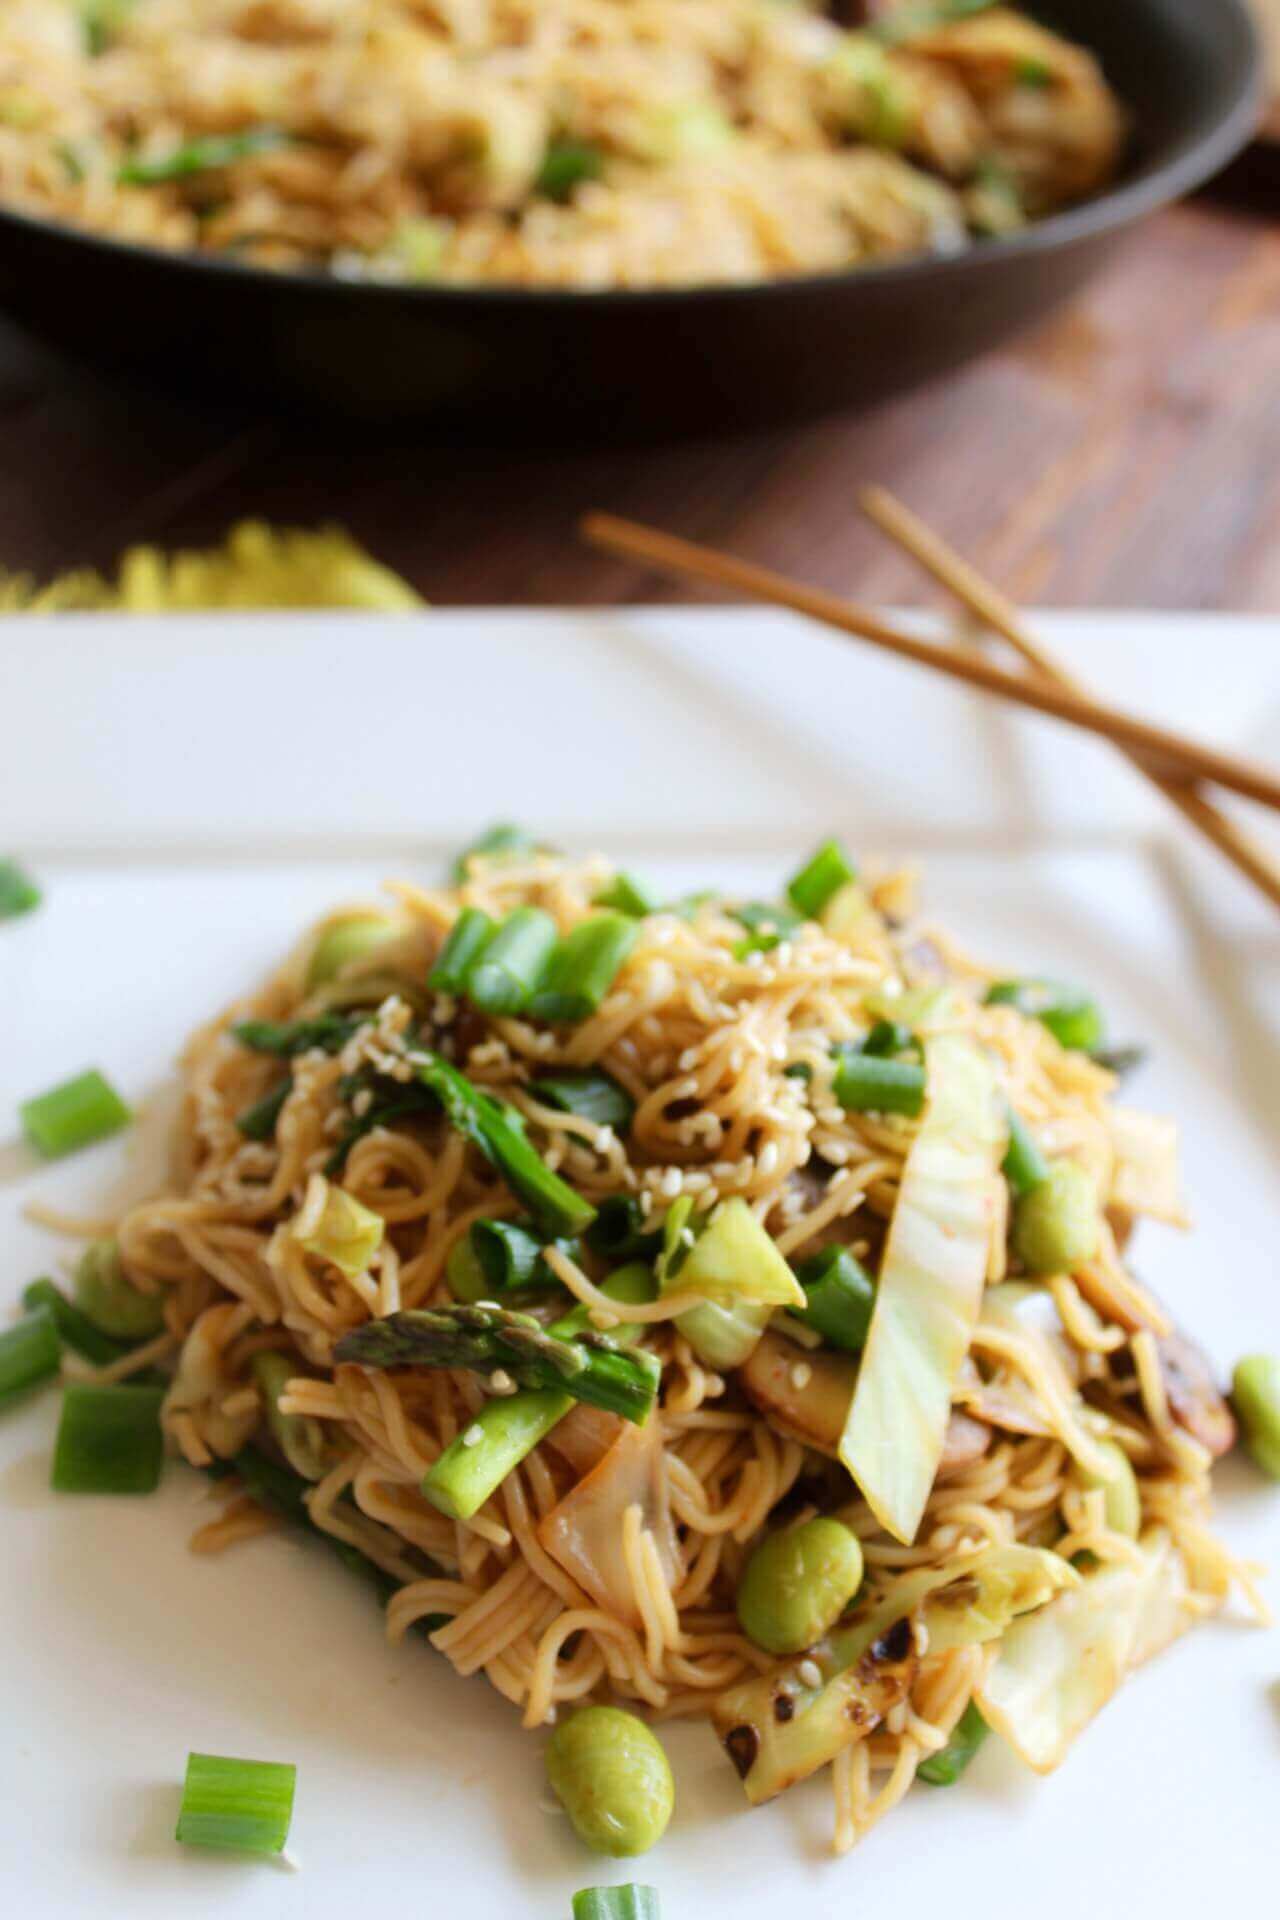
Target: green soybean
(611,1775)
(1055,1225)
(1122,1502)
(1255,1391)
(797,1584)
(105,1293)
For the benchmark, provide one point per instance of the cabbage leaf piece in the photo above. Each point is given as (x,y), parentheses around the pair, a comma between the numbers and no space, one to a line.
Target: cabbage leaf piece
(930,1287)
(1056,1669)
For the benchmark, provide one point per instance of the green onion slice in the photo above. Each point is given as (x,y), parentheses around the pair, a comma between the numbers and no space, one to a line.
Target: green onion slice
(565,165)
(839,1298)
(584,967)
(199,156)
(74,1115)
(258,1121)
(943,1768)
(503,842)
(766,917)
(328,1032)
(1071,1015)
(238,1806)
(1024,1165)
(890,1037)
(865,1084)
(513,962)
(823,875)
(591,1094)
(30,1353)
(18,891)
(509,1256)
(109,1440)
(619,1233)
(616,1903)
(627,894)
(469,935)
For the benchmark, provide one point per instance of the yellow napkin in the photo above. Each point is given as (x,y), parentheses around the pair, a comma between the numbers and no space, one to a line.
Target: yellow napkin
(257,566)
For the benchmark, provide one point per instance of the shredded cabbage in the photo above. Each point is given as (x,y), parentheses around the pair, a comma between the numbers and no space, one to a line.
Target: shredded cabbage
(346,1233)
(930,1287)
(1144,1175)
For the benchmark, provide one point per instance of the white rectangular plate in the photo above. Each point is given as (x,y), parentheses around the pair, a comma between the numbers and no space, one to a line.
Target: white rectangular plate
(191,791)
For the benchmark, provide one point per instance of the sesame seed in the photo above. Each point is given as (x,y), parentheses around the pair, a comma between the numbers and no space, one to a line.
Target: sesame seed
(686,1237)
(689,1058)
(501,1382)
(768,1159)
(801,1375)
(646,1204)
(671,1182)
(473,1436)
(809,1673)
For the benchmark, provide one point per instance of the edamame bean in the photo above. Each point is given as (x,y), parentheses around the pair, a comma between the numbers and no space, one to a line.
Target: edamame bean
(346,940)
(797,1584)
(299,1438)
(612,1778)
(1121,1500)
(106,1294)
(1255,1392)
(1055,1225)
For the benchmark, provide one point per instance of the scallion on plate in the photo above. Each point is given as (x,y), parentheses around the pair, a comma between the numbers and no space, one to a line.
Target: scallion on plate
(75,1114)
(18,891)
(109,1440)
(237,1806)
(584,967)
(30,1353)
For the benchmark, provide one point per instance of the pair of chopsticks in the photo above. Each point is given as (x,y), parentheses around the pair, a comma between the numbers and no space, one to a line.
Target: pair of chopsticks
(1172,762)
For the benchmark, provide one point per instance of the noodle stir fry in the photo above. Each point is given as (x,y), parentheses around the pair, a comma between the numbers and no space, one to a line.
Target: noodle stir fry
(715,1307)
(571,143)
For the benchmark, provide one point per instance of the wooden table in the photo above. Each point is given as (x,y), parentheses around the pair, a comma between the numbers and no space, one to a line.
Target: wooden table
(1127,453)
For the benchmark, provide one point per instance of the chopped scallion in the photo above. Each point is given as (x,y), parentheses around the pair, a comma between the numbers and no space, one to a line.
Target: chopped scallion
(591,1094)
(565,165)
(513,963)
(618,1231)
(616,1903)
(943,1768)
(109,1440)
(238,1806)
(199,156)
(30,1353)
(839,1295)
(889,1037)
(469,935)
(329,1032)
(18,891)
(1024,1164)
(1071,1015)
(503,842)
(258,1121)
(822,876)
(865,1083)
(584,967)
(627,894)
(765,917)
(73,1115)
(74,1326)
(509,1256)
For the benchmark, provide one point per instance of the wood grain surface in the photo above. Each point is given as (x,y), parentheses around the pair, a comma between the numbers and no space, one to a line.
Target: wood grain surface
(1126,453)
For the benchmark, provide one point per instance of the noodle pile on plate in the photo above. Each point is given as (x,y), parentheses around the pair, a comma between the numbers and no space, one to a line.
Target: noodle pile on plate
(570,143)
(326,1183)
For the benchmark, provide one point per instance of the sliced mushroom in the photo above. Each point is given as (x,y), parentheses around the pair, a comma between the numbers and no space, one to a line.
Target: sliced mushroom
(1194,1400)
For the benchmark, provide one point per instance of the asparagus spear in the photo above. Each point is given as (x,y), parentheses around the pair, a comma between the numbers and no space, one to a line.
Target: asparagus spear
(491,1339)
(328,1031)
(507,1428)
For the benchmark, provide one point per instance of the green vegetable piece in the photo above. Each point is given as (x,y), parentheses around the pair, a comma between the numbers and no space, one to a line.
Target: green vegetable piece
(627,894)
(797,1584)
(501,843)
(865,1083)
(106,1294)
(299,1438)
(30,1353)
(327,1032)
(75,1329)
(584,967)
(633,1285)
(347,1233)
(514,962)
(618,1231)
(239,1806)
(18,891)
(1122,1502)
(590,1093)
(258,1121)
(767,917)
(1071,1015)
(1024,1165)
(487,1339)
(734,1258)
(1122,1061)
(467,1278)
(1255,1393)
(566,164)
(498,1132)
(907,23)
(610,1774)
(469,935)
(345,941)
(509,1256)
(888,1038)
(76,1114)
(109,1440)
(616,1903)
(475,1464)
(822,875)
(840,1296)
(1056,1224)
(943,1768)
(200,156)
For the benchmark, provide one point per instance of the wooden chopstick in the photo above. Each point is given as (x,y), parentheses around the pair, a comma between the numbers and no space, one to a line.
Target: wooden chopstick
(990,606)
(1176,753)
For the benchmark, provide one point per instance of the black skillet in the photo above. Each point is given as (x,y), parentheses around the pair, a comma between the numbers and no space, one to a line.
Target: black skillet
(514,364)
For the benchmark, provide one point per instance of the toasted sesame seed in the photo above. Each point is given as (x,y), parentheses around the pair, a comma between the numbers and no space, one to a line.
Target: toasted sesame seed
(473,1436)
(671,1182)
(809,1673)
(801,1375)
(501,1382)
(768,1159)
